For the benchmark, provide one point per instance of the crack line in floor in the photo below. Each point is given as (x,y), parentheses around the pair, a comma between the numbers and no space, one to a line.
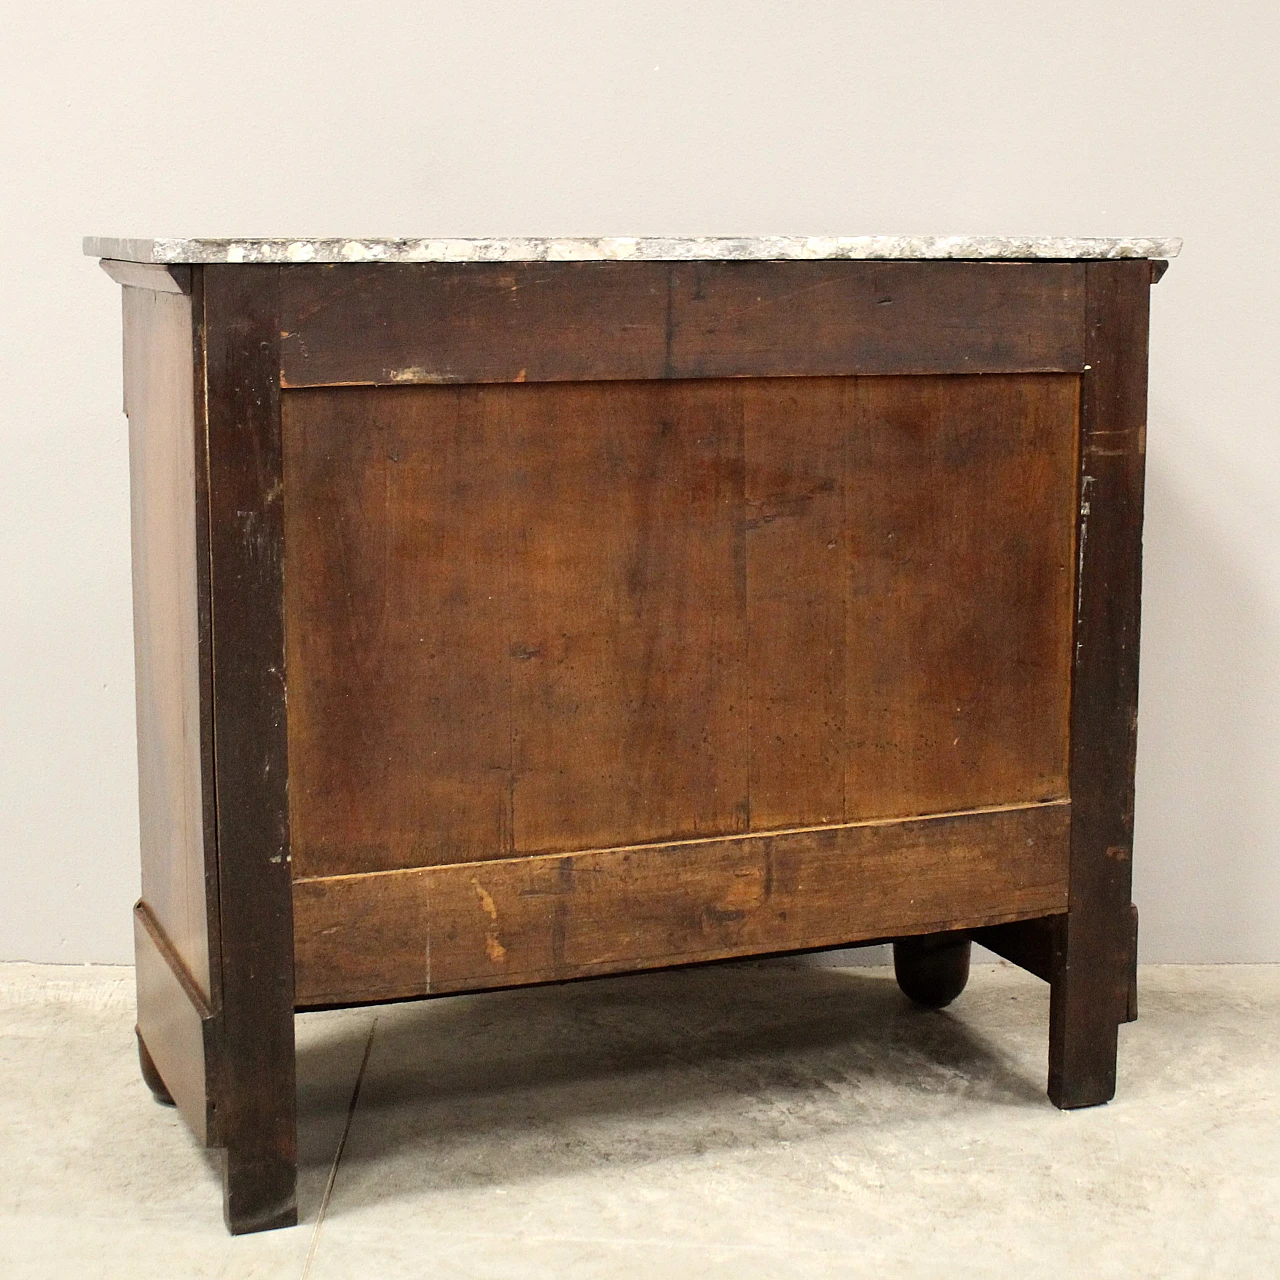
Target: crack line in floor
(337,1155)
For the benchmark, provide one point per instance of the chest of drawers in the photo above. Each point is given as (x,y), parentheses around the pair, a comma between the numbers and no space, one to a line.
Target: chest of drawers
(517,612)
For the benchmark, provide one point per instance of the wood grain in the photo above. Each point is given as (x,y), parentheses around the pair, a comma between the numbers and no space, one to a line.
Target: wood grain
(627,653)
(397,635)
(548,618)
(570,321)
(959,521)
(522,920)
(1095,956)
(797,577)
(170,652)
(256,1084)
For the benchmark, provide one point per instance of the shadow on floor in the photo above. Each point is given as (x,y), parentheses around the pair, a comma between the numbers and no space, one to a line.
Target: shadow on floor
(526,1084)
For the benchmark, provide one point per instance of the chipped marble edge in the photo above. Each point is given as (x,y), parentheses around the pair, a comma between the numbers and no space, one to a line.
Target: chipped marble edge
(632,249)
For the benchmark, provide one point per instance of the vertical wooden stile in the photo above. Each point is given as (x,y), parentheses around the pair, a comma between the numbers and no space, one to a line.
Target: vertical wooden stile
(257,1123)
(1093,949)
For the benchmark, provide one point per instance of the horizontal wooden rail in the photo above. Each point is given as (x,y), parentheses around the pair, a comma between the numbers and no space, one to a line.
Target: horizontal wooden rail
(512,921)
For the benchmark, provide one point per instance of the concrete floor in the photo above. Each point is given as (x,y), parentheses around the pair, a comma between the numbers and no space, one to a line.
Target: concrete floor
(749,1121)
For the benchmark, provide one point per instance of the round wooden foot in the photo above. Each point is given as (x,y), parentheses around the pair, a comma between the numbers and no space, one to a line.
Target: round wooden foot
(151,1075)
(932,969)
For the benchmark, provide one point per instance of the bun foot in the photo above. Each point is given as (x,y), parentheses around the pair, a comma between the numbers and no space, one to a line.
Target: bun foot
(932,969)
(150,1075)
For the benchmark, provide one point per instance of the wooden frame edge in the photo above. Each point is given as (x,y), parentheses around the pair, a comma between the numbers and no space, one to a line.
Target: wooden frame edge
(257,1093)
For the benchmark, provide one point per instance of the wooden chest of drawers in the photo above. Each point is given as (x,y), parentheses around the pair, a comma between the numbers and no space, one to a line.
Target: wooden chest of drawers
(522,618)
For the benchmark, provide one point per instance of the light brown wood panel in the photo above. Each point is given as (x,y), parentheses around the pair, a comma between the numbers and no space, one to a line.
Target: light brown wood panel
(797,568)
(159,385)
(960,522)
(565,616)
(628,636)
(520,920)
(396,635)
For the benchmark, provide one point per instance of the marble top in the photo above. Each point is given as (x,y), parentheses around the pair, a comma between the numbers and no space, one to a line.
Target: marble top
(631,248)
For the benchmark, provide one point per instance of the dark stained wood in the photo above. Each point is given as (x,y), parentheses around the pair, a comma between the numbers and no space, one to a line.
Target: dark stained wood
(145,275)
(1090,989)
(569,321)
(174,1025)
(960,530)
(169,596)
(524,920)
(1131,1003)
(257,1105)
(151,1074)
(933,968)
(810,319)
(1028,943)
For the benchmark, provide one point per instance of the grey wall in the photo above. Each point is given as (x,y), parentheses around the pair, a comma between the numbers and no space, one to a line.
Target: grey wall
(644,117)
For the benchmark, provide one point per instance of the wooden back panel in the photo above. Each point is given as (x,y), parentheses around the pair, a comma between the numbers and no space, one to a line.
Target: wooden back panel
(529,619)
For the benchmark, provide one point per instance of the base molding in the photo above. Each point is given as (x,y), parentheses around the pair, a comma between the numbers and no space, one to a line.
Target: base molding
(174,1024)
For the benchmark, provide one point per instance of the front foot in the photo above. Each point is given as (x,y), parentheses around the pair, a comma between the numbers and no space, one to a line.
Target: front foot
(932,969)
(150,1075)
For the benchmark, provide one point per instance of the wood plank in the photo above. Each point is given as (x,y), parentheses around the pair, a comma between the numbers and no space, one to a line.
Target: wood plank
(959,521)
(812,319)
(628,620)
(256,1087)
(522,920)
(175,1024)
(476,322)
(515,322)
(395,587)
(170,624)
(1091,987)
(797,556)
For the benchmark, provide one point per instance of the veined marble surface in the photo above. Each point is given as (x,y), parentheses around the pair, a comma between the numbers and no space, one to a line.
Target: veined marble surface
(631,248)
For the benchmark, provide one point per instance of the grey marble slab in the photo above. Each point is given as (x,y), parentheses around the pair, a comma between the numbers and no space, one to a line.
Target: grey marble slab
(631,248)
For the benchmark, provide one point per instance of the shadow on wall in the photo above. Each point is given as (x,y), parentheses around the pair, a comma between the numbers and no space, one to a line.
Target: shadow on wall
(1206,875)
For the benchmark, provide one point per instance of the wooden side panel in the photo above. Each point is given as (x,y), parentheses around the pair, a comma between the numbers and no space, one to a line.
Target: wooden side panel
(396,607)
(174,1023)
(960,530)
(570,321)
(256,1085)
(522,920)
(169,641)
(628,628)
(1094,965)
